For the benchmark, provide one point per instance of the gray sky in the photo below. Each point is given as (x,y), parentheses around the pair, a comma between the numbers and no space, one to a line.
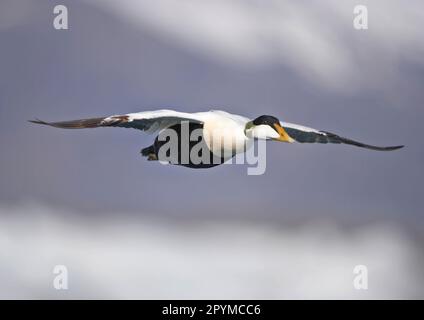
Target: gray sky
(302,62)
(106,65)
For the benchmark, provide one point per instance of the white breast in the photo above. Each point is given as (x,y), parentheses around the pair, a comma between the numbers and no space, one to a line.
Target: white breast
(224,133)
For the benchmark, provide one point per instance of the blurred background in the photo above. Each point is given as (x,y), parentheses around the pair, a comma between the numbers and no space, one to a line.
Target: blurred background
(128,228)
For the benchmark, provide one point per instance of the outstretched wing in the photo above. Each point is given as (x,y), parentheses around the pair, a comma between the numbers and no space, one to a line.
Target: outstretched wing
(149,121)
(308,135)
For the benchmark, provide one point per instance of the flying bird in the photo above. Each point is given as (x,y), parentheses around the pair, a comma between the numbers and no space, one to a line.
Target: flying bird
(220,135)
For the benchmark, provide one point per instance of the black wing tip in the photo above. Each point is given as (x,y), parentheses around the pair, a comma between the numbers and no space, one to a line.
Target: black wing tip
(376,148)
(38,121)
(338,139)
(392,148)
(73,124)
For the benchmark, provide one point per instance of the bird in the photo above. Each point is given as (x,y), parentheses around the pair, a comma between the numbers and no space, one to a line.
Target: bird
(219,135)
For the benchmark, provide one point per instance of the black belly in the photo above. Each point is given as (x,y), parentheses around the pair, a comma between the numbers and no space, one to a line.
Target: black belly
(204,161)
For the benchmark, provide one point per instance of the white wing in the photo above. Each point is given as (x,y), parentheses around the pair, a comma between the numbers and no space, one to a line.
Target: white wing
(149,121)
(308,135)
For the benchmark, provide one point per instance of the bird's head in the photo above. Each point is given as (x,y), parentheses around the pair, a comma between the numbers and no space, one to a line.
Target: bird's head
(266,128)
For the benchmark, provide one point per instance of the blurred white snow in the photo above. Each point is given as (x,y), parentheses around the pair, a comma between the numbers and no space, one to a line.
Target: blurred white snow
(132,258)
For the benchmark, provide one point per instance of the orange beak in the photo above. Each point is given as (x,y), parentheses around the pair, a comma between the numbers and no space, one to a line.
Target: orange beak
(284,137)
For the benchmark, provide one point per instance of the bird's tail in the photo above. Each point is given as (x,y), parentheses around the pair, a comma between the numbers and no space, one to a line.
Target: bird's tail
(149,152)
